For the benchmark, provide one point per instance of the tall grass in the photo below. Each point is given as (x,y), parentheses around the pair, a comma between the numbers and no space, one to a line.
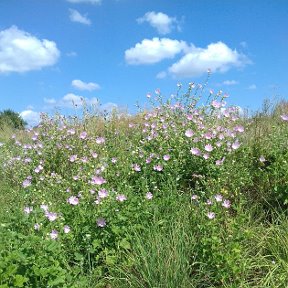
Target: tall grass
(181,195)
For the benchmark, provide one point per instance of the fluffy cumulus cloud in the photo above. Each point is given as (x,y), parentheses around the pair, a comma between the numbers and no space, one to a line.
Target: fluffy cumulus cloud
(194,61)
(75,16)
(153,51)
(85,1)
(78,84)
(160,21)
(31,117)
(72,100)
(217,57)
(22,52)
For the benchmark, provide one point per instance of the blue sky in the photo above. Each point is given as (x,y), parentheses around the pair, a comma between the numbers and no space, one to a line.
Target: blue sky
(116,51)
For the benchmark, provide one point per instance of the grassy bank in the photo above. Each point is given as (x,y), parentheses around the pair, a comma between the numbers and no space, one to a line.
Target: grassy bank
(183,195)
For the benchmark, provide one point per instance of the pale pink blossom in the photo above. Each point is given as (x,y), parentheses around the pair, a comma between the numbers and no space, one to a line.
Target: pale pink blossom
(195,151)
(284,117)
(54,234)
(121,198)
(149,196)
(73,200)
(66,229)
(208,147)
(189,133)
(98,180)
(211,215)
(101,222)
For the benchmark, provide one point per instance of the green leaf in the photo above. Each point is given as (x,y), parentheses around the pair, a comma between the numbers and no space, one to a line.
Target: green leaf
(124,243)
(20,280)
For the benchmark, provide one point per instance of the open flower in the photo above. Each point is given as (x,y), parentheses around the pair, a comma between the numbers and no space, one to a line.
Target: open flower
(73,200)
(149,196)
(66,229)
(54,234)
(121,198)
(51,216)
(101,222)
(284,117)
(211,215)
(98,180)
(189,133)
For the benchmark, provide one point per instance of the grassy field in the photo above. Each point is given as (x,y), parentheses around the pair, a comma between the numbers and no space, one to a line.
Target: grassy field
(182,195)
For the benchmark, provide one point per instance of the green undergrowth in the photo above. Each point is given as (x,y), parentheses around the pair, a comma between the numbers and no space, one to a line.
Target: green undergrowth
(182,195)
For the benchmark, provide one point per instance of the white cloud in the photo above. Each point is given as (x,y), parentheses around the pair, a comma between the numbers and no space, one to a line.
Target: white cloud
(252,87)
(31,117)
(217,57)
(230,82)
(78,84)
(153,51)
(22,52)
(75,16)
(72,100)
(86,1)
(162,22)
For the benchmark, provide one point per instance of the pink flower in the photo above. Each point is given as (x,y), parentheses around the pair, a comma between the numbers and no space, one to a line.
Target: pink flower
(195,151)
(100,140)
(26,183)
(284,117)
(158,167)
(226,204)
(166,157)
(218,198)
(83,135)
(102,193)
(66,229)
(209,202)
(220,162)
(194,197)
(73,158)
(208,147)
(216,104)
(73,200)
(239,128)
(189,133)
(98,180)
(94,155)
(149,196)
(189,117)
(136,167)
(101,222)
(121,198)
(211,215)
(54,234)
(206,156)
(235,145)
(51,216)
(38,169)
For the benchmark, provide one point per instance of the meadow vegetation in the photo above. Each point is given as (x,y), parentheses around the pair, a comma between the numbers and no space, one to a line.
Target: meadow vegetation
(188,193)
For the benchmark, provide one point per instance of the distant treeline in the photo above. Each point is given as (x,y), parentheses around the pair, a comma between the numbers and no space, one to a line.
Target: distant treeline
(11,119)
